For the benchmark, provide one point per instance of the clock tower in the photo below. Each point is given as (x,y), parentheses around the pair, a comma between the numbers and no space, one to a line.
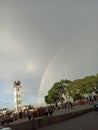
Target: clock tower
(17,96)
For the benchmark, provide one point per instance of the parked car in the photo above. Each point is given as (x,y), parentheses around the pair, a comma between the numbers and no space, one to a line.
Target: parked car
(5,128)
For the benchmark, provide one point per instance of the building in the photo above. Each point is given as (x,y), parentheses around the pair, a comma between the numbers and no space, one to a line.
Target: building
(17,96)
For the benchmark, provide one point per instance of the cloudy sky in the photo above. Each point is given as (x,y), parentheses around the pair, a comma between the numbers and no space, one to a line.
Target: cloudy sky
(44,41)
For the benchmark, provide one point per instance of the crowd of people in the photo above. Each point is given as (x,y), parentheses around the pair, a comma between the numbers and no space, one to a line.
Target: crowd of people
(29,114)
(42,111)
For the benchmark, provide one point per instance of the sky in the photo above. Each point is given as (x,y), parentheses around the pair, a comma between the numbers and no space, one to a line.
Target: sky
(44,41)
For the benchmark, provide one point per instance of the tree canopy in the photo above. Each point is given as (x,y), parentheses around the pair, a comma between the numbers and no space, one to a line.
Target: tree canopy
(76,87)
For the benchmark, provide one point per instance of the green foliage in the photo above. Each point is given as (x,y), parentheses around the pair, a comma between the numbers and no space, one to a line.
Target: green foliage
(56,92)
(77,97)
(83,86)
(48,99)
(75,89)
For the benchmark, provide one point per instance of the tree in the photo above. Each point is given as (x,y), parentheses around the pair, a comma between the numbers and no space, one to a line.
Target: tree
(55,94)
(48,100)
(85,85)
(77,96)
(76,89)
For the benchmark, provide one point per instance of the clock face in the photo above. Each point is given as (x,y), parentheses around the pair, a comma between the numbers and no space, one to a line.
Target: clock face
(17,83)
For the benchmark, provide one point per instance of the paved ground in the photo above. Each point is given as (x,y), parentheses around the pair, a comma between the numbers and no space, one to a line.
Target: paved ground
(88,121)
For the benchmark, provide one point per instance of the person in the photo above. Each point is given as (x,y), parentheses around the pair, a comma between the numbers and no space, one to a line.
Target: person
(29,115)
(71,104)
(51,110)
(90,100)
(94,98)
(46,111)
(20,114)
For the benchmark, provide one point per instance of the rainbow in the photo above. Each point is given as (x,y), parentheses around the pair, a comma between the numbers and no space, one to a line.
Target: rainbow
(46,71)
(48,68)
(43,77)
